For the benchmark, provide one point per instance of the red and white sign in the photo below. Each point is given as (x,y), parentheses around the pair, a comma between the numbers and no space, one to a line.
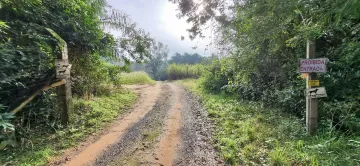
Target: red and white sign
(313,65)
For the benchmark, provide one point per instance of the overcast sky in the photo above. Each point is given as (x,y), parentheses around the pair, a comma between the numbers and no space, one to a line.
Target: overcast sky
(158,17)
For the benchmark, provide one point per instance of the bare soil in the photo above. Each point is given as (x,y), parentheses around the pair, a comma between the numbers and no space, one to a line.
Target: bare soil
(169,142)
(86,153)
(167,126)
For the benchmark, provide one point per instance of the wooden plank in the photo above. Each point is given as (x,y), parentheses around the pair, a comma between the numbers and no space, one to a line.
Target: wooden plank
(311,103)
(46,87)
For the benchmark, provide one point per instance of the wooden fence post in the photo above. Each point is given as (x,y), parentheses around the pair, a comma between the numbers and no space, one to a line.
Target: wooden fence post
(311,103)
(64,91)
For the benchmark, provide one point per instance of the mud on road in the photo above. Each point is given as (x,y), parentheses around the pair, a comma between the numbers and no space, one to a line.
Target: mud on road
(168,126)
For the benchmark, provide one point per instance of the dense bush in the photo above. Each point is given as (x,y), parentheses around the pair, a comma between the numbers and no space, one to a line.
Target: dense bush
(264,41)
(267,46)
(215,75)
(33,32)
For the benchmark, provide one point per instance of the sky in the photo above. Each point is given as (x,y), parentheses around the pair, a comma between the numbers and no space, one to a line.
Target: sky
(158,17)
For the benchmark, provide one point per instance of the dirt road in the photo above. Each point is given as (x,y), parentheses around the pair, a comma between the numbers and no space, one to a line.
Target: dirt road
(166,127)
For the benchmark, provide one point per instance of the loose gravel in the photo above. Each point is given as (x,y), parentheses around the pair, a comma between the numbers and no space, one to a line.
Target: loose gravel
(196,135)
(130,143)
(191,142)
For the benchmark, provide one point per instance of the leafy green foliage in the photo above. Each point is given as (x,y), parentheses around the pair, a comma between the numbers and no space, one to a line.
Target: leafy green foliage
(5,128)
(264,41)
(247,133)
(267,38)
(215,76)
(186,58)
(157,63)
(32,35)
(5,120)
(89,117)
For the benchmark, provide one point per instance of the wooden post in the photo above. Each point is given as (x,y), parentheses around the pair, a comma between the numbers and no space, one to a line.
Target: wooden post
(45,87)
(64,91)
(311,103)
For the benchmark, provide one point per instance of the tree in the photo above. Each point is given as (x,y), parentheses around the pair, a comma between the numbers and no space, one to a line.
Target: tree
(267,40)
(157,62)
(186,58)
(28,51)
(199,13)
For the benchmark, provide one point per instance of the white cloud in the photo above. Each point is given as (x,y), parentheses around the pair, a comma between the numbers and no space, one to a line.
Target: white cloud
(158,17)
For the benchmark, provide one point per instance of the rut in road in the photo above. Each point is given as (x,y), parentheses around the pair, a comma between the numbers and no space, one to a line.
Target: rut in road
(87,152)
(174,130)
(166,151)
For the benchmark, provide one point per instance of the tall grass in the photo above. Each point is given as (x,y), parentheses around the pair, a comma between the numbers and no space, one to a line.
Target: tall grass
(247,133)
(139,77)
(181,71)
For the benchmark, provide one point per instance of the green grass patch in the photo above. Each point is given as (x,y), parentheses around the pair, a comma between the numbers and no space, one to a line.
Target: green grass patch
(88,117)
(135,78)
(246,133)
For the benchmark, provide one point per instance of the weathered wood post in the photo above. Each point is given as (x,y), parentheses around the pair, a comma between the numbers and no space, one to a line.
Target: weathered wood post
(64,91)
(311,103)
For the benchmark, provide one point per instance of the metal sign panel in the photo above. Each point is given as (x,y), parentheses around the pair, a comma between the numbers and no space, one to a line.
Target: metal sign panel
(316,92)
(314,82)
(313,65)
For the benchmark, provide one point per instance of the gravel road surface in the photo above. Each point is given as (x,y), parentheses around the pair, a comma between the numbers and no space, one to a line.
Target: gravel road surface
(168,126)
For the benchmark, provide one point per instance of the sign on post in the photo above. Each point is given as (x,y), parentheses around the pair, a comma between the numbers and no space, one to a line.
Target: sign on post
(318,92)
(314,82)
(62,68)
(313,65)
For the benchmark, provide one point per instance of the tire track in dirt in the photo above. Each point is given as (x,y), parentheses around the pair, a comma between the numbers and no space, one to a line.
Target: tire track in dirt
(136,146)
(166,151)
(92,149)
(196,148)
(171,129)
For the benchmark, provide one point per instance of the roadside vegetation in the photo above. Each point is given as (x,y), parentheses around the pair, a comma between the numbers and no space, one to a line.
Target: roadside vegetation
(248,133)
(253,90)
(139,77)
(251,86)
(32,35)
(182,71)
(178,66)
(89,116)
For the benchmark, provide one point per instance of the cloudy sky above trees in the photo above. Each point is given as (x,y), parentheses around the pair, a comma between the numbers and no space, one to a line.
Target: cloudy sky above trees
(158,17)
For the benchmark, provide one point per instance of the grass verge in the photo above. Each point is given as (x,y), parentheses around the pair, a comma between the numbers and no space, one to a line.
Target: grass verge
(248,134)
(136,78)
(89,116)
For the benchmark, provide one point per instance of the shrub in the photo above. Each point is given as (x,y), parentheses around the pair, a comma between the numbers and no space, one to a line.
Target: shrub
(215,75)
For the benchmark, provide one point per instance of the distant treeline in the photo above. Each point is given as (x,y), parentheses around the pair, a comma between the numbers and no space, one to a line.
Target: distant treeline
(181,71)
(179,66)
(186,59)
